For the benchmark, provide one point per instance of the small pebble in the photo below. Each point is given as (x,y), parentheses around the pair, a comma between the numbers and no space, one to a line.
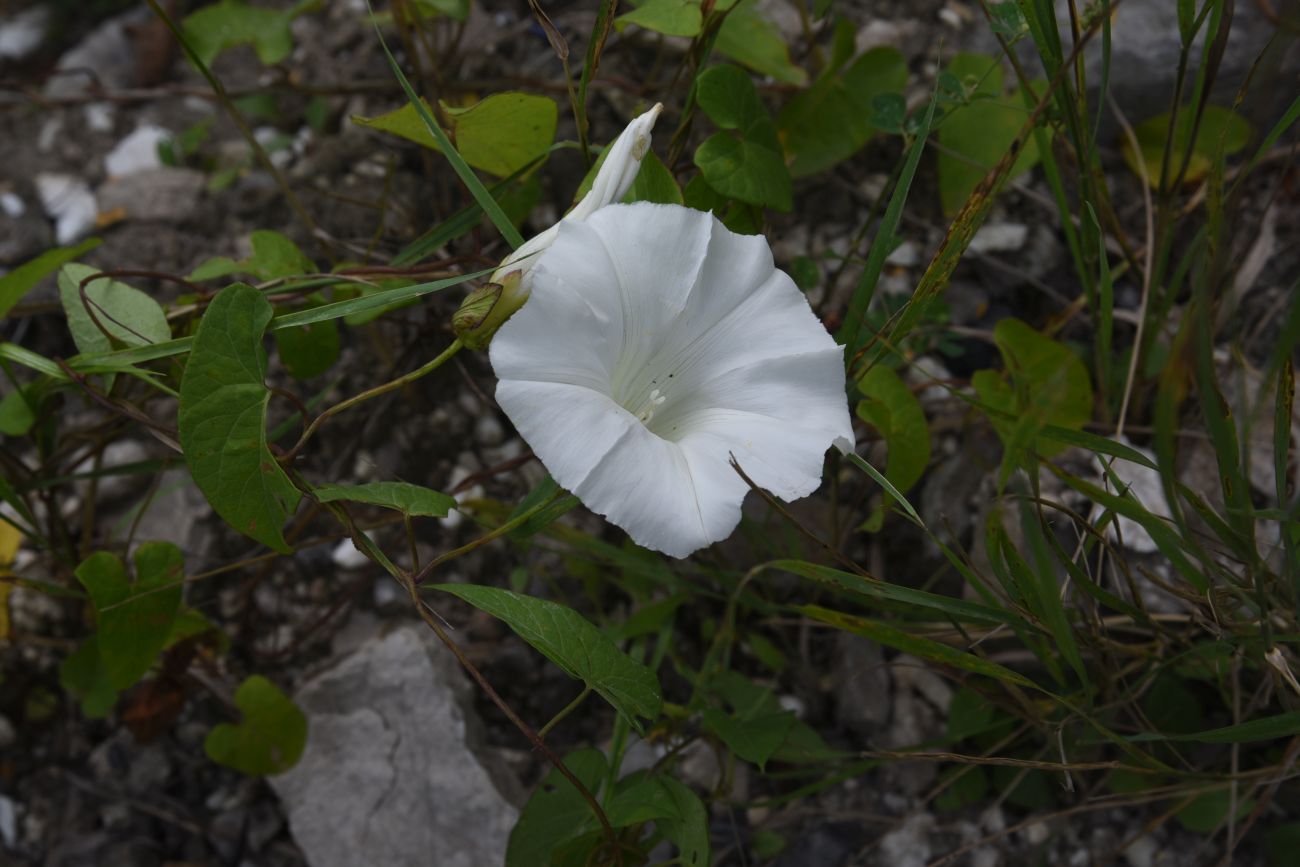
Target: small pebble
(346,556)
(69,202)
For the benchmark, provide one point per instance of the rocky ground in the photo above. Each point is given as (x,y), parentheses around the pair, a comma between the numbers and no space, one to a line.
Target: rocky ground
(407,764)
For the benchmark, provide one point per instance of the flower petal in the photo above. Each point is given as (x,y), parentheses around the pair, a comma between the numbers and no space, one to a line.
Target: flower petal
(657,346)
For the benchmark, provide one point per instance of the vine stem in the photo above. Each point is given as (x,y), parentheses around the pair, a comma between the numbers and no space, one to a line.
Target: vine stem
(391,385)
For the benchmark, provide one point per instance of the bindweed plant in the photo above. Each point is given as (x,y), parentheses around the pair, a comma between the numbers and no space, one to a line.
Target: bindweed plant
(1077,514)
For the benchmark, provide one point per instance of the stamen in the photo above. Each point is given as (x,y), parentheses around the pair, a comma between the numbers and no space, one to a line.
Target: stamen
(648,408)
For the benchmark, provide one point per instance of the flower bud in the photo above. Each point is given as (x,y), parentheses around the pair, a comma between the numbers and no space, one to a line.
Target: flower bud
(486,309)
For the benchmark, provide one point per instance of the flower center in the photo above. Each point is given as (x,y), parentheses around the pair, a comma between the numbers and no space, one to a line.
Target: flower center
(653,401)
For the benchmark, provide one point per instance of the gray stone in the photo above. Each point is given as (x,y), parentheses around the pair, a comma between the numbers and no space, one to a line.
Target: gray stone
(165,194)
(909,844)
(105,57)
(1145,47)
(391,773)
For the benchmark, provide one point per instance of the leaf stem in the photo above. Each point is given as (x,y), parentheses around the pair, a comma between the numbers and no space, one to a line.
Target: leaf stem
(568,709)
(391,385)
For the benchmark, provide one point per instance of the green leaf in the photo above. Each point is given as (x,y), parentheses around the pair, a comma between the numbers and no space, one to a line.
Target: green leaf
(1218,127)
(976,135)
(750,168)
(83,675)
(669,17)
(969,713)
(547,492)
(677,812)
(128,315)
(1281,843)
(1208,810)
(134,618)
(408,499)
(457,10)
(213,29)
(222,418)
(311,349)
(21,280)
(654,183)
(916,645)
(891,408)
(499,135)
(274,256)
(831,121)
(1048,385)
(750,39)
(556,811)
(1268,728)
(960,610)
(18,412)
(270,737)
(574,644)
(754,739)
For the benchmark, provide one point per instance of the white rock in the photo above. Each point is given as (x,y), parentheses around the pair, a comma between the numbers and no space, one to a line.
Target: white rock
(999,238)
(22,33)
(49,134)
(137,152)
(1144,484)
(391,773)
(346,556)
(69,202)
(905,255)
(99,116)
(488,429)
(1036,834)
(8,822)
(908,845)
(1141,852)
(163,194)
(12,205)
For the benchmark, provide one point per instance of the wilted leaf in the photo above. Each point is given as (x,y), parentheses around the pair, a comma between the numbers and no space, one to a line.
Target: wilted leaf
(574,644)
(222,418)
(270,737)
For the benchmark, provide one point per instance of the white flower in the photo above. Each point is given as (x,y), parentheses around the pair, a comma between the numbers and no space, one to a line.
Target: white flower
(657,344)
(484,309)
(622,161)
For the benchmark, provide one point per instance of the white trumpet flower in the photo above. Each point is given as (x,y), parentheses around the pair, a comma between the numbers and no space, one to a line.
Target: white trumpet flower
(622,161)
(487,307)
(656,345)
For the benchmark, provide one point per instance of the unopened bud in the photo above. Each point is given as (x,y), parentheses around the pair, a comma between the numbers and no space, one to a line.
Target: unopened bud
(486,309)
